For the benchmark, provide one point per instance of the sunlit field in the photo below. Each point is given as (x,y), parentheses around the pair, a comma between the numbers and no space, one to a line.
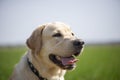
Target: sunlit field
(98,62)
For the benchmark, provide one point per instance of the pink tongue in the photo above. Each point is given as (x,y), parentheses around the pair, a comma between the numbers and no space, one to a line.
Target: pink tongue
(68,60)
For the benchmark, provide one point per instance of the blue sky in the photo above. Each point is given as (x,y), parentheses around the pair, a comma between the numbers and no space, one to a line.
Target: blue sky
(91,20)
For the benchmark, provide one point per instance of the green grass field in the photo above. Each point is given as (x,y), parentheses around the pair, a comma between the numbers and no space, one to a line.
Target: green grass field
(96,63)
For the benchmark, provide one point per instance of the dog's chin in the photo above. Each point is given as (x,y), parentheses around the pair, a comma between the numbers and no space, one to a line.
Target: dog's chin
(67,63)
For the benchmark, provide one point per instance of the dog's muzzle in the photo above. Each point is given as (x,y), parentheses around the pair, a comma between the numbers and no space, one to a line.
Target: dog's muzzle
(68,62)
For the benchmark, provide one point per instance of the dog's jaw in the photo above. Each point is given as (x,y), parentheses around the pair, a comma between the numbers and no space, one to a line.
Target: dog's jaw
(66,63)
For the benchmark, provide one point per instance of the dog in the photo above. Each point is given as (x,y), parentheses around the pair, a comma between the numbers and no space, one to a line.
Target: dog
(52,50)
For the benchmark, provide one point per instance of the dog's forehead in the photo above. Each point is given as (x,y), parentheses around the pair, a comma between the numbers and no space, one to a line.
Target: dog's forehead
(56,27)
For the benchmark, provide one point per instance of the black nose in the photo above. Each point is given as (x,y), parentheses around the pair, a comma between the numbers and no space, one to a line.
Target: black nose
(78,43)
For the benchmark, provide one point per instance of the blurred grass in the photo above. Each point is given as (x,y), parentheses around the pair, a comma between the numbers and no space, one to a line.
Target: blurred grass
(8,58)
(96,63)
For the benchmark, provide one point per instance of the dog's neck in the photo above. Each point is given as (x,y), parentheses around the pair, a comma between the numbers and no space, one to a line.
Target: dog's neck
(34,70)
(46,71)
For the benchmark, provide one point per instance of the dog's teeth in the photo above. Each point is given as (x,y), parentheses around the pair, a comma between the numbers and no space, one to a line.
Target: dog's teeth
(58,57)
(73,56)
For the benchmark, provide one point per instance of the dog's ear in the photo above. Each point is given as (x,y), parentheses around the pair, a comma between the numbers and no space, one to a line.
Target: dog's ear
(34,42)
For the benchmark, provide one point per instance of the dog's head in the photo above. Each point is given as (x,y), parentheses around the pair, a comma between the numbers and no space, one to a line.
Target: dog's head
(56,45)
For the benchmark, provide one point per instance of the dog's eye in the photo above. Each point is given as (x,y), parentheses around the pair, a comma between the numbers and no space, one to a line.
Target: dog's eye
(72,34)
(57,35)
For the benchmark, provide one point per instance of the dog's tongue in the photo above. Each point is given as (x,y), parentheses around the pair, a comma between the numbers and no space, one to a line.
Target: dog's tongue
(68,60)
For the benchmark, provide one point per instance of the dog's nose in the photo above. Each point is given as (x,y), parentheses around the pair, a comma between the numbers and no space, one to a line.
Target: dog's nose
(78,43)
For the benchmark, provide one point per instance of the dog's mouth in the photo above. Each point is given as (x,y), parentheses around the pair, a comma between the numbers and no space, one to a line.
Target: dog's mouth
(64,62)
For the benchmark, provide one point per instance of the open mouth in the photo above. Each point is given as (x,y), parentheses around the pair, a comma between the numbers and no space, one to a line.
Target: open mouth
(64,62)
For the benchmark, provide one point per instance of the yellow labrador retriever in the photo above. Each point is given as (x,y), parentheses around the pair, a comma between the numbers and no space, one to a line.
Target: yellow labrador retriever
(52,51)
